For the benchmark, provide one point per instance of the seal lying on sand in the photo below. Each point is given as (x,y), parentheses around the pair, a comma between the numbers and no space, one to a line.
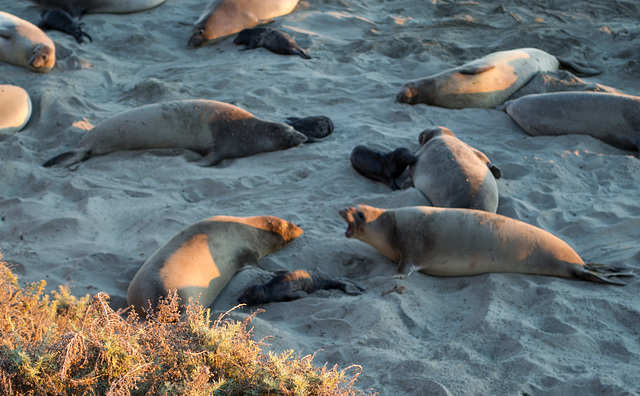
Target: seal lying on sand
(314,127)
(24,44)
(381,166)
(272,39)
(222,18)
(293,285)
(452,174)
(214,129)
(610,117)
(15,108)
(63,21)
(462,242)
(79,7)
(486,82)
(202,258)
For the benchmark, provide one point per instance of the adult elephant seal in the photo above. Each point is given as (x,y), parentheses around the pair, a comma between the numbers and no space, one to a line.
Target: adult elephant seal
(222,18)
(381,166)
(15,108)
(486,82)
(214,129)
(610,117)
(463,242)
(24,44)
(79,7)
(201,259)
(452,174)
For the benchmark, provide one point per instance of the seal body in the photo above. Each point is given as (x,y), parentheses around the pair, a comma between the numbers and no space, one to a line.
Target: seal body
(293,285)
(24,44)
(79,7)
(61,20)
(381,166)
(485,82)
(201,259)
(272,39)
(452,174)
(15,108)
(611,117)
(214,129)
(222,18)
(462,242)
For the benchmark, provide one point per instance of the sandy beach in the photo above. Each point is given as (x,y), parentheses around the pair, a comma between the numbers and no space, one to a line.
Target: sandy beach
(92,226)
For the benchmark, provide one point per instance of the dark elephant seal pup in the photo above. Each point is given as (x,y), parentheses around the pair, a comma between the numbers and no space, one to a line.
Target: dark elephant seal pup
(463,242)
(79,7)
(214,129)
(293,285)
(611,117)
(486,82)
(272,39)
(62,21)
(23,44)
(381,166)
(201,259)
(452,174)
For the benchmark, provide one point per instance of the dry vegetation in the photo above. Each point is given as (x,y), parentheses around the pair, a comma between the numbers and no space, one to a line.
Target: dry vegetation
(62,345)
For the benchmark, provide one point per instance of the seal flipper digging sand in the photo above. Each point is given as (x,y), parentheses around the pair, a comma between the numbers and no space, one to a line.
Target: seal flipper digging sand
(463,242)
(381,166)
(62,21)
(272,39)
(286,287)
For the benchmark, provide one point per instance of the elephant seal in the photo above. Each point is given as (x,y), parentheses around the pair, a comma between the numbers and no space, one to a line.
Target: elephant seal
(381,166)
(613,118)
(15,108)
(214,129)
(452,174)
(222,18)
(24,44)
(463,242)
(63,21)
(79,7)
(292,285)
(201,259)
(314,127)
(272,39)
(486,82)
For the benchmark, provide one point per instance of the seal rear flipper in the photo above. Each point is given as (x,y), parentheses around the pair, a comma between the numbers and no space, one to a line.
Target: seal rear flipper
(300,52)
(601,273)
(578,69)
(497,173)
(68,158)
(351,288)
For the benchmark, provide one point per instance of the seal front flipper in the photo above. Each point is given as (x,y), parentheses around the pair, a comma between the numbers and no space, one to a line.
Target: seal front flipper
(578,69)
(68,158)
(601,273)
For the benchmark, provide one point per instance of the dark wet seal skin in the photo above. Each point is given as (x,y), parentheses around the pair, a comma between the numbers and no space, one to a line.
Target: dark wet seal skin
(314,127)
(382,166)
(290,285)
(272,39)
(63,21)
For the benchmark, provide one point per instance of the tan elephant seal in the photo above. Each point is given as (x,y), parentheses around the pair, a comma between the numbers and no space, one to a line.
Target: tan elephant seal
(214,129)
(23,44)
(201,259)
(79,7)
(452,174)
(486,82)
(15,108)
(222,18)
(463,242)
(611,117)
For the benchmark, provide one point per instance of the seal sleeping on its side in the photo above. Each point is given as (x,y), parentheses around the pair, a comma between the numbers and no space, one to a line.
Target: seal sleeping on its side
(288,287)
(272,39)
(463,242)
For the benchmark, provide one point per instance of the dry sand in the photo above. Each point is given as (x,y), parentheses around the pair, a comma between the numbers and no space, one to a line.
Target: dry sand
(94,226)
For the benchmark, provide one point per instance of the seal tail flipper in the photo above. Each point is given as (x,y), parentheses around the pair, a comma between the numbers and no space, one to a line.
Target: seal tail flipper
(578,69)
(601,273)
(68,158)
(302,53)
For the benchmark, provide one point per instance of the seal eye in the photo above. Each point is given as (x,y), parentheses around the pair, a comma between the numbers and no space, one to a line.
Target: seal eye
(360,216)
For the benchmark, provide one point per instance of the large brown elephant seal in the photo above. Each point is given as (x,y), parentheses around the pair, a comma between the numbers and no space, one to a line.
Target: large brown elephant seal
(23,44)
(214,129)
(201,259)
(222,18)
(15,108)
(463,242)
(452,174)
(611,117)
(79,7)
(486,82)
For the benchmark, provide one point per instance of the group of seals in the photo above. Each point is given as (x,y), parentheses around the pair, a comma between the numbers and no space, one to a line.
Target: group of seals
(24,44)
(272,39)
(200,260)
(463,242)
(15,108)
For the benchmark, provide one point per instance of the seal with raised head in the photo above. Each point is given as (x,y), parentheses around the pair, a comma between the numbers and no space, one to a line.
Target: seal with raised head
(463,242)
(272,39)
(79,7)
(214,129)
(222,18)
(486,82)
(294,285)
(201,259)
(63,21)
(24,44)
(452,174)
(381,166)
(15,108)
(613,118)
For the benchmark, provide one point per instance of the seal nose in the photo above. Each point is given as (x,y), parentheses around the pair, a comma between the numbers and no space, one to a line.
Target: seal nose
(407,94)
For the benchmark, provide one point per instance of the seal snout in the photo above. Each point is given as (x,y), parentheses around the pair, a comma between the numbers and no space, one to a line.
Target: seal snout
(408,94)
(196,40)
(350,216)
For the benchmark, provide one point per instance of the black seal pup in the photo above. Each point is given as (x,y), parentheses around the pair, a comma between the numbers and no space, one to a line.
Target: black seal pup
(272,39)
(380,166)
(63,21)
